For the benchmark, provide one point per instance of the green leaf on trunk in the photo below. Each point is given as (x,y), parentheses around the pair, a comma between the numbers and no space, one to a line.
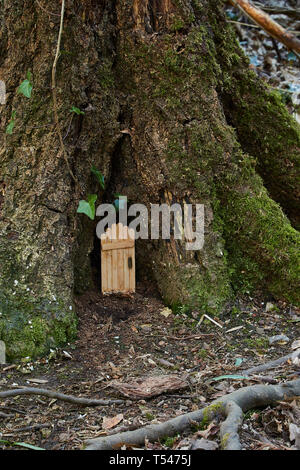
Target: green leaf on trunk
(26,86)
(11,125)
(88,207)
(76,110)
(99,176)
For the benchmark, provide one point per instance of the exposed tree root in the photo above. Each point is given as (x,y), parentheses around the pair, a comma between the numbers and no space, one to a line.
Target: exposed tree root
(59,396)
(232,406)
(229,428)
(271,364)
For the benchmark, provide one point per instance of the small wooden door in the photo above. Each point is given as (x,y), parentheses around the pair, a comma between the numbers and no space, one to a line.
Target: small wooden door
(117,260)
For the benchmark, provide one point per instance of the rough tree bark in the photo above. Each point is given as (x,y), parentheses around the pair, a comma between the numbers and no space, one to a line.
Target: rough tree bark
(172,113)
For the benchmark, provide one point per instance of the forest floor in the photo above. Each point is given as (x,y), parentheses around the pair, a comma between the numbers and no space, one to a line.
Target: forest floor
(123,339)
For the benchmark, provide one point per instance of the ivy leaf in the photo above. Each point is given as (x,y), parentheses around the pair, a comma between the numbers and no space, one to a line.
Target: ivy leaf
(99,176)
(76,110)
(26,86)
(292,56)
(11,125)
(231,15)
(88,207)
(9,128)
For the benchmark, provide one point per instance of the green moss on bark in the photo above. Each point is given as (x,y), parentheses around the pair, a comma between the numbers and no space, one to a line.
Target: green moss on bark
(177,78)
(31,325)
(263,125)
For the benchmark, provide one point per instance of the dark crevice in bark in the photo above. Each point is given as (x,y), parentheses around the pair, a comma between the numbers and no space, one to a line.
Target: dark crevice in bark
(52,209)
(95,261)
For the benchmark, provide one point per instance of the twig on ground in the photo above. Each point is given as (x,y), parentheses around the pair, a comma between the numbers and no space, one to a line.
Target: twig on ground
(59,396)
(34,427)
(279,10)
(179,338)
(5,415)
(45,10)
(266,379)
(255,25)
(210,319)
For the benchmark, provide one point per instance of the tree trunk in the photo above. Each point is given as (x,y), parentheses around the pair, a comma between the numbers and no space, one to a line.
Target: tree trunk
(172,114)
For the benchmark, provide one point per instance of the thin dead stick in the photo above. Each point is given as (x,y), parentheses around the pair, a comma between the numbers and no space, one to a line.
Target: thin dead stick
(59,396)
(279,10)
(54,91)
(5,415)
(268,24)
(46,11)
(256,26)
(266,379)
(34,427)
(180,338)
(210,319)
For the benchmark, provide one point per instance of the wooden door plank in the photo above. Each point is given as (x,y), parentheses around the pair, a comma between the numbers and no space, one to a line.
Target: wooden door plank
(117,247)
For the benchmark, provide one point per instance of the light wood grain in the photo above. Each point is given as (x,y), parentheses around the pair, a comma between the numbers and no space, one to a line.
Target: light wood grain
(117,260)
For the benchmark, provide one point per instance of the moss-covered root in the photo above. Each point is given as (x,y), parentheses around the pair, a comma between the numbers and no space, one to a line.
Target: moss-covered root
(230,405)
(267,131)
(263,247)
(229,428)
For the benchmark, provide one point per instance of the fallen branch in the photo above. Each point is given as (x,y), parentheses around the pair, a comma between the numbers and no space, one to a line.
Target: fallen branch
(268,24)
(231,406)
(5,415)
(34,427)
(271,364)
(59,396)
(279,10)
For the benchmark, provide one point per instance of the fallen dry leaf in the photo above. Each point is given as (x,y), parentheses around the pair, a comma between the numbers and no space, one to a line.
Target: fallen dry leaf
(166,312)
(211,430)
(109,423)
